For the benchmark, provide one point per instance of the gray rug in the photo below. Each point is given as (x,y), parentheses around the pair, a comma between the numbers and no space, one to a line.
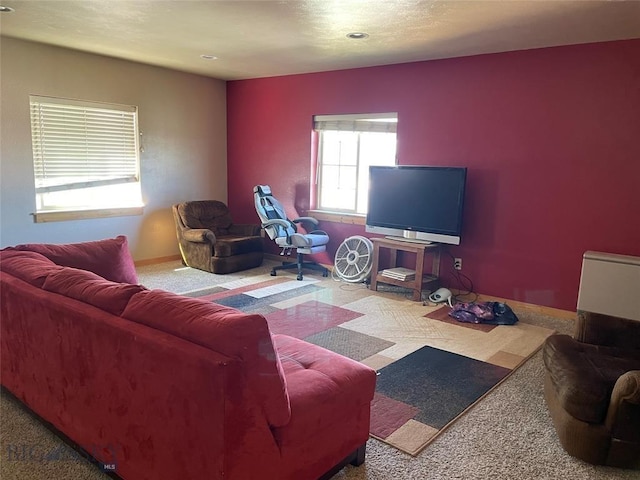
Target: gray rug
(355,345)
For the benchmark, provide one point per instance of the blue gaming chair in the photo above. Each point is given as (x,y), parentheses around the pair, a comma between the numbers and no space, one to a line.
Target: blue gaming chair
(285,232)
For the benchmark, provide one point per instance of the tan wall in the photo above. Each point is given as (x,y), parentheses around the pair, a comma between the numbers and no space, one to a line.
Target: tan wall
(182,118)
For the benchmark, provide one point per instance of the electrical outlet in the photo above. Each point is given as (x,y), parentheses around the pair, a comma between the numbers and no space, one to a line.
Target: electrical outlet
(457,263)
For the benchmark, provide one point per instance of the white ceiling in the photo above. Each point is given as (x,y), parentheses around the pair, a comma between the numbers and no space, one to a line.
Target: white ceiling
(269,38)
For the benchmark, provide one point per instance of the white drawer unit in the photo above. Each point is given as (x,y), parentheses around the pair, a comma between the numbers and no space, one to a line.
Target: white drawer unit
(610,284)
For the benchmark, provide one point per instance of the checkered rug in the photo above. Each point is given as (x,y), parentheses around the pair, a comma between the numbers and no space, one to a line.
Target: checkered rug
(431,368)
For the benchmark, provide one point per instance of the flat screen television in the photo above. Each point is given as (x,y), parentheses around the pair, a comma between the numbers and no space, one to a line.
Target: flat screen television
(421,203)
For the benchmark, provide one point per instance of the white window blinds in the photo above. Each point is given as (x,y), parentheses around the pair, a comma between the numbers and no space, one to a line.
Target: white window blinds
(379,122)
(78,144)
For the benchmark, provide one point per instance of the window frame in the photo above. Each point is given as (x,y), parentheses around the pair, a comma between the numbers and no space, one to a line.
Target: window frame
(79,144)
(354,123)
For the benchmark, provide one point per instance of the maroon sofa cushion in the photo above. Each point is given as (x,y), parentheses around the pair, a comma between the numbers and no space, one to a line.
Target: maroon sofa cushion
(91,289)
(31,267)
(108,258)
(330,398)
(224,330)
(321,385)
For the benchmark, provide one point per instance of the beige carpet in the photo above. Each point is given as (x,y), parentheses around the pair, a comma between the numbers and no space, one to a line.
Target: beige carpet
(508,435)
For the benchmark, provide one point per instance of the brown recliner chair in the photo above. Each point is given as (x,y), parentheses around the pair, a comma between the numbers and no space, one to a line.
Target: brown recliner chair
(210,241)
(592,389)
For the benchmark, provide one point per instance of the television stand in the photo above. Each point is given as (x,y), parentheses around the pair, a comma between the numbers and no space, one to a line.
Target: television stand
(410,240)
(406,245)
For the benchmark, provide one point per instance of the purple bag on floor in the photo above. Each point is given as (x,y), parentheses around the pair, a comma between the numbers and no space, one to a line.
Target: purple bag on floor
(491,313)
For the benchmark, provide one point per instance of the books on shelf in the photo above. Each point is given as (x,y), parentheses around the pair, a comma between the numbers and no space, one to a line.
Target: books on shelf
(399,273)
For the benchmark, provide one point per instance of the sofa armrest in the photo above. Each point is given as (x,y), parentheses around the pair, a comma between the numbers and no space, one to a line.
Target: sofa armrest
(606,330)
(623,416)
(199,235)
(245,229)
(330,397)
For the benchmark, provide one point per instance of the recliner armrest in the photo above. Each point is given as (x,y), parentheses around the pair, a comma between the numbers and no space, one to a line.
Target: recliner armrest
(199,235)
(624,409)
(606,330)
(245,229)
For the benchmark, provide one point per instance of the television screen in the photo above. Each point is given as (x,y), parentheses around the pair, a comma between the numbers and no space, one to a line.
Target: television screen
(420,202)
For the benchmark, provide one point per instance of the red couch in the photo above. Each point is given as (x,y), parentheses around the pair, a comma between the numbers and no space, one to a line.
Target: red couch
(159,386)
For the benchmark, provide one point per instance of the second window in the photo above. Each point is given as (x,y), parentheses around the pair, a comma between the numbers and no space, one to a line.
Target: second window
(347,146)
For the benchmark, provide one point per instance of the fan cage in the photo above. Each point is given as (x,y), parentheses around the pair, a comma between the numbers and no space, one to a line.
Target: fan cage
(354,259)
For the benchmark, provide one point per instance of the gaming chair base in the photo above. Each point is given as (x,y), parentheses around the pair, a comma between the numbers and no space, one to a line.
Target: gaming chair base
(299,265)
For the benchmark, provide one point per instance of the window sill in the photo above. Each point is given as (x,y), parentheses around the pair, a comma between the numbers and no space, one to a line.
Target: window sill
(61,216)
(338,217)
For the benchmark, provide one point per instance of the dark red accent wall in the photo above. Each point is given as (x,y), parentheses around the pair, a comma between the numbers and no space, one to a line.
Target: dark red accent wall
(551,138)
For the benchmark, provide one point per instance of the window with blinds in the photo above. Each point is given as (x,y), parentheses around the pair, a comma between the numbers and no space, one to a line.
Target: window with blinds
(347,146)
(85,154)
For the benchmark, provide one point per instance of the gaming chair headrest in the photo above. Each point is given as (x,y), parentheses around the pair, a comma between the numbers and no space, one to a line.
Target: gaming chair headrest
(263,190)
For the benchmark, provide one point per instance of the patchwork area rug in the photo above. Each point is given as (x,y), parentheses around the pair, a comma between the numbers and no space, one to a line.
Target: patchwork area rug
(431,368)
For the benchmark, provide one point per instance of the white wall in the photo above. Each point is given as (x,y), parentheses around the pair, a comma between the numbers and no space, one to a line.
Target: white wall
(182,118)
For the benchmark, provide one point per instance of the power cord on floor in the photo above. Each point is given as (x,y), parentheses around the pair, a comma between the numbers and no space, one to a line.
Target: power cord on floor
(465,283)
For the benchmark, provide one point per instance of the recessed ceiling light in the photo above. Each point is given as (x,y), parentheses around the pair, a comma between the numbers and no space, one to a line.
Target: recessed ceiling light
(357,35)
(4,9)
(208,57)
